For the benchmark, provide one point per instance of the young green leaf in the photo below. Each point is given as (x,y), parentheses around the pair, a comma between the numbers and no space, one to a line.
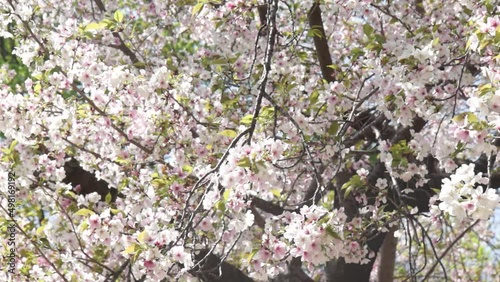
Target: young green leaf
(118,16)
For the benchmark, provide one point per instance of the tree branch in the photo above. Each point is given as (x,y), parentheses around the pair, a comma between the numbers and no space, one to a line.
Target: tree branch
(266,206)
(122,46)
(216,270)
(320,43)
(39,250)
(271,22)
(428,274)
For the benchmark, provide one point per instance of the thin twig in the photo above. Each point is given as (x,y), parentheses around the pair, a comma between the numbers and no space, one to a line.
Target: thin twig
(428,274)
(271,22)
(36,246)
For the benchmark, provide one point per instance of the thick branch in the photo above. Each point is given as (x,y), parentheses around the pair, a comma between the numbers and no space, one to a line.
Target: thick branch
(266,206)
(320,43)
(76,175)
(296,271)
(100,5)
(387,257)
(214,270)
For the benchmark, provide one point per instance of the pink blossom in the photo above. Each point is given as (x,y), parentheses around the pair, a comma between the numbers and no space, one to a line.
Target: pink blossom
(149,264)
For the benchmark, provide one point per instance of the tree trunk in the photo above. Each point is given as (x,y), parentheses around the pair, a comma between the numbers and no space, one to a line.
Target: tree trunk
(387,257)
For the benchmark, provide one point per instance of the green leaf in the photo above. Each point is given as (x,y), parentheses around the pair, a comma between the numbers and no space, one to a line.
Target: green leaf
(315,31)
(13,145)
(84,212)
(348,191)
(83,226)
(483,43)
(197,8)
(140,65)
(228,133)
(130,249)
(436,190)
(219,61)
(345,185)
(329,231)
(39,230)
(334,67)
(37,77)
(108,198)
(141,236)
(313,98)
(94,26)
(302,55)
(252,254)
(118,16)
(334,127)
(354,182)
(122,161)
(247,120)
(37,88)
(245,162)
(70,194)
(276,192)
(220,205)
(159,183)
(368,30)
(136,255)
(389,98)
(472,118)
(226,194)
(380,39)
(485,89)
(267,112)
(187,169)
(356,53)
(218,24)
(116,211)
(374,46)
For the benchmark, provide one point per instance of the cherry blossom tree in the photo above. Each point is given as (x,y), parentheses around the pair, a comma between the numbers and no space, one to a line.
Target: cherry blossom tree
(249,140)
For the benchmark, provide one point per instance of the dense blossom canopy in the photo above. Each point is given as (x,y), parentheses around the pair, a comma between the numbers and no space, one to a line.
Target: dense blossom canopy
(249,139)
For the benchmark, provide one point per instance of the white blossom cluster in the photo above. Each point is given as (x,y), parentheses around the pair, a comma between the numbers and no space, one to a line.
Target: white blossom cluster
(462,195)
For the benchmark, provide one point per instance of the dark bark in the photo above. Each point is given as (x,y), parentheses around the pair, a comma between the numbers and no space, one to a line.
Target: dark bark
(295,273)
(266,206)
(321,43)
(88,183)
(387,257)
(213,270)
(339,270)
